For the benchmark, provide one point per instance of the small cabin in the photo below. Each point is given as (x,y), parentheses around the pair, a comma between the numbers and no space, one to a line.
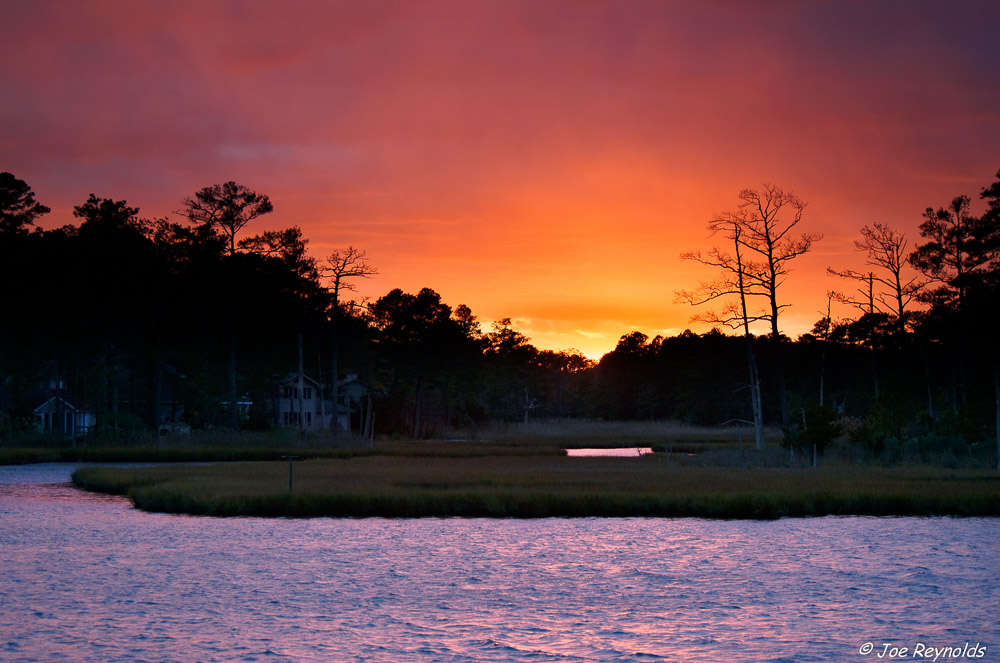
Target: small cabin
(59,416)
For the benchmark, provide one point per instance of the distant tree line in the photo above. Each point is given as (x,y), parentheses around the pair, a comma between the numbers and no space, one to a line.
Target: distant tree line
(132,316)
(141,320)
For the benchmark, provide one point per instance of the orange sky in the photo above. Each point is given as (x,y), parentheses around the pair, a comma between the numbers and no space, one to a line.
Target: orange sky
(544,161)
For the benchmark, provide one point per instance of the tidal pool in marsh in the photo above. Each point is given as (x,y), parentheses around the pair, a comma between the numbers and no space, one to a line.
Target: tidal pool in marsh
(622,452)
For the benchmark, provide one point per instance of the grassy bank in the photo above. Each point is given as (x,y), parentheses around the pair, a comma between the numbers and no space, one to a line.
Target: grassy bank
(150,454)
(543,486)
(200,453)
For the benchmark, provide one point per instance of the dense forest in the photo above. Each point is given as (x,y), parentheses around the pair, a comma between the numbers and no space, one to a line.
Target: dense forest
(144,322)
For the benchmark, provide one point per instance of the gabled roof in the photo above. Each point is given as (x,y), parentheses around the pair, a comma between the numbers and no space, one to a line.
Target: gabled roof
(54,404)
(291,379)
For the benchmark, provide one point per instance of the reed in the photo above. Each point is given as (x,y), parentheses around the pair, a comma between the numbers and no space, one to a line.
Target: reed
(544,486)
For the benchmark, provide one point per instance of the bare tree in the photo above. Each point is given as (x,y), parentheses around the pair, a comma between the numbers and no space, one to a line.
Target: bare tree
(884,290)
(762,229)
(736,280)
(341,266)
(885,250)
(866,290)
(768,216)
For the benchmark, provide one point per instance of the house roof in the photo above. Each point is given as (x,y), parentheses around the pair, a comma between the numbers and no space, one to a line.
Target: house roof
(54,404)
(292,378)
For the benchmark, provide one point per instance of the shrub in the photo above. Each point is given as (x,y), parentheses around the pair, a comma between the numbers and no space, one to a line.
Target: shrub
(819,426)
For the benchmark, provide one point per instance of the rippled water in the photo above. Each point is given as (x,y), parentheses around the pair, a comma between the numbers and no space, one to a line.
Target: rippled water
(87,578)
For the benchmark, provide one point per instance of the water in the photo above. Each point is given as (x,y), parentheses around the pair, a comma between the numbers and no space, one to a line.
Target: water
(87,578)
(623,452)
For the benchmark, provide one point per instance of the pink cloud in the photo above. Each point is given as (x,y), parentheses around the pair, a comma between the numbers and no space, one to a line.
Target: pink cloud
(560,146)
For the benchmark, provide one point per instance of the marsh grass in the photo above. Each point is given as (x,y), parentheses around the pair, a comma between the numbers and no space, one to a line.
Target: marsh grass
(151,454)
(24,455)
(544,486)
(547,437)
(220,452)
(579,433)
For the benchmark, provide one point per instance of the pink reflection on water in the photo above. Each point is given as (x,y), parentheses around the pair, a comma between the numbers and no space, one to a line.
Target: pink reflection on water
(610,453)
(84,578)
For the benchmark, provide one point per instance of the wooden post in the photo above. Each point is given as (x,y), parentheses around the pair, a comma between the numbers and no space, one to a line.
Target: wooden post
(290,459)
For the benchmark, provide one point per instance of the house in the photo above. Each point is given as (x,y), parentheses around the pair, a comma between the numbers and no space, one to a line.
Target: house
(351,391)
(356,396)
(57,415)
(315,412)
(243,406)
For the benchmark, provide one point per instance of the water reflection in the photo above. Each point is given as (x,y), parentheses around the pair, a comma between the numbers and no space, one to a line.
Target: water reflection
(624,452)
(87,578)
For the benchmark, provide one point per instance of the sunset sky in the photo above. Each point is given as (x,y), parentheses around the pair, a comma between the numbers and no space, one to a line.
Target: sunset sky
(546,161)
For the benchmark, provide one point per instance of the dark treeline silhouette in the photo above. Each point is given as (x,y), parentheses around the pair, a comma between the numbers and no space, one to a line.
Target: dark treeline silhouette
(145,322)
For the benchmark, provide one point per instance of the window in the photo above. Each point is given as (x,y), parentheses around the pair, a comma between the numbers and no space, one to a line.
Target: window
(293,392)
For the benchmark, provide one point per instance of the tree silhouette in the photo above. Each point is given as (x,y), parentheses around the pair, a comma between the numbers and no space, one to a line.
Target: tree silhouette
(960,247)
(18,207)
(766,218)
(416,334)
(885,250)
(117,270)
(739,279)
(761,229)
(514,362)
(991,218)
(226,208)
(104,217)
(287,245)
(961,253)
(341,266)
(885,291)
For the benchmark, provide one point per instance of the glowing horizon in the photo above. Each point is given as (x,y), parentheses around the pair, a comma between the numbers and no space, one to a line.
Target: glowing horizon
(546,163)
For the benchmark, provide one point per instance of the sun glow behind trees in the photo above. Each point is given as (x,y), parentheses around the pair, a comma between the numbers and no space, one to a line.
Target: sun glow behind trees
(191,288)
(542,162)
